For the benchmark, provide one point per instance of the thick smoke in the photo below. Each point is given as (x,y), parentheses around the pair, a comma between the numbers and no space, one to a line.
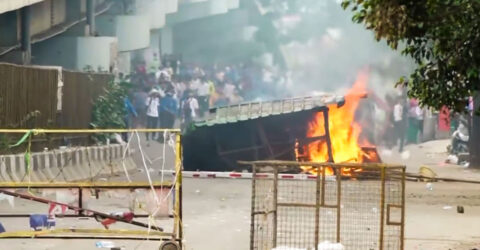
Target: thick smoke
(338,49)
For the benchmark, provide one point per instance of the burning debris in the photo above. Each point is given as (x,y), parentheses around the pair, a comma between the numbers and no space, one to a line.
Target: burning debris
(346,145)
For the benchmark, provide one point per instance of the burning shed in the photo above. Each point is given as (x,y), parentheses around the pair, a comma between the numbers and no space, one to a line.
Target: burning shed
(289,129)
(253,131)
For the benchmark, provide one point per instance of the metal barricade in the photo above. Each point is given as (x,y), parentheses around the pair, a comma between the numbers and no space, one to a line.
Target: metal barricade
(361,206)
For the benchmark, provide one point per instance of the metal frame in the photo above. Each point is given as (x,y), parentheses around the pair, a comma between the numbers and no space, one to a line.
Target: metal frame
(156,234)
(260,167)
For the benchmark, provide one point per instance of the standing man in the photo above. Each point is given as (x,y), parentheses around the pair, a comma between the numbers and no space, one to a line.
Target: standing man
(168,110)
(203,96)
(398,123)
(189,110)
(152,103)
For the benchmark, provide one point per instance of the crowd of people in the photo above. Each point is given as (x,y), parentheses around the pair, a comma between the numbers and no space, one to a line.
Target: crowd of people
(171,93)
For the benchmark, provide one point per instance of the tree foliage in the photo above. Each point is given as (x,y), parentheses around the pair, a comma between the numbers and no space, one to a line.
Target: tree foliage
(109,108)
(442,36)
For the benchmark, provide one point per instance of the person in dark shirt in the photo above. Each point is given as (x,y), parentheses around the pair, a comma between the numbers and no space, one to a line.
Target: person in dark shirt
(168,110)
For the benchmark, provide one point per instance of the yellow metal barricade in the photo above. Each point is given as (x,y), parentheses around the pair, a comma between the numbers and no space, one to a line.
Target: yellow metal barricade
(91,165)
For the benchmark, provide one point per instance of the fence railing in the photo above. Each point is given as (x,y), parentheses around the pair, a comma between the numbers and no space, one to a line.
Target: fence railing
(47,96)
(251,110)
(361,210)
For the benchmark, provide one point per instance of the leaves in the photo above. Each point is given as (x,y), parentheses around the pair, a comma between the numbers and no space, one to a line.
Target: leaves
(109,109)
(443,37)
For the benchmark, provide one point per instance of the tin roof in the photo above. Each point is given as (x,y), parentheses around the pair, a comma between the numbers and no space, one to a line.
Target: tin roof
(256,110)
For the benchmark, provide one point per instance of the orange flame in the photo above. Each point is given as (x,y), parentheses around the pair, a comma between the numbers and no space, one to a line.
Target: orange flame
(344,131)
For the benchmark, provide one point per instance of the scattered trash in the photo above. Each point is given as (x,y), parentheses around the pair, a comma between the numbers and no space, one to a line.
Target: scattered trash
(327,245)
(9,198)
(118,138)
(2,229)
(405,155)
(106,222)
(427,172)
(429,186)
(447,207)
(453,159)
(374,209)
(197,191)
(460,209)
(465,164)
(41,221)
(104,244)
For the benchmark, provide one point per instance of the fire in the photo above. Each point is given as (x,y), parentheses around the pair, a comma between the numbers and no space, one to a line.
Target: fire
(344,131)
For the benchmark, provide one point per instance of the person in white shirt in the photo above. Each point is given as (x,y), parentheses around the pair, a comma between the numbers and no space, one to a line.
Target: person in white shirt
(228,91)
(203,92)
(195,84)
(189,110)
(152,102)
(399,123)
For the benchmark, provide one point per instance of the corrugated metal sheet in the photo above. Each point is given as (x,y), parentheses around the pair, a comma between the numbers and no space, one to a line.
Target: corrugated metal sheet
(255,110)
(9,5)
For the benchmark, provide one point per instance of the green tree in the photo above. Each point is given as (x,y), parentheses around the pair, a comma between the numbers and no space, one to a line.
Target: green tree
(109,108)
(443,38)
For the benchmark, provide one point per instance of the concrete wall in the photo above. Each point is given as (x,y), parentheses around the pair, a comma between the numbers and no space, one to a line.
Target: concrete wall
(11,5)
(219,37)
(76,52)
(124,62)
(8,29)
(156,11)
(40,17)
(60,51)
(58,9)
(188,12)
(166,37)
(97,52)
(218,7)
(133,32)
(71,164)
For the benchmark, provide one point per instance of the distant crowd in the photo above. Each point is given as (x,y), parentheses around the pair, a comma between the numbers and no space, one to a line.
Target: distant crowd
(171,93)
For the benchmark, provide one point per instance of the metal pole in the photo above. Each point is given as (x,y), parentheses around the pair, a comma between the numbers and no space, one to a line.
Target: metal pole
(178,189)
(252,218)
(402,230)
(109,216)
(327,135)
(80,201)
(339,200)
(323,186)
(317,207)
(26,46)
(382,206)
(91,17)
(275,212)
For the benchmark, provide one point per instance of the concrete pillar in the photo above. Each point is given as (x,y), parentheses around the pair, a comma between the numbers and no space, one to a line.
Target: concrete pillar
(91,17)
(26,45)
(166,40)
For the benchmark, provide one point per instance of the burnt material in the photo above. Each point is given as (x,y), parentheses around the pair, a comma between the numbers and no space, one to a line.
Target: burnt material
(218,148)
(253,131)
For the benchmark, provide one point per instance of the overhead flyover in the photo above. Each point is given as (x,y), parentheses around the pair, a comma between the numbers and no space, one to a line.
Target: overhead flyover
(252,131)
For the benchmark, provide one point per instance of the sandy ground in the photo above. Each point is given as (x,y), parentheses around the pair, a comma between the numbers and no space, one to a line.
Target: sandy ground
(217,211)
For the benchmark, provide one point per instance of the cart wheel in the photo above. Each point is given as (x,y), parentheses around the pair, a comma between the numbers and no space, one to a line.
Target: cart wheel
(169,245)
